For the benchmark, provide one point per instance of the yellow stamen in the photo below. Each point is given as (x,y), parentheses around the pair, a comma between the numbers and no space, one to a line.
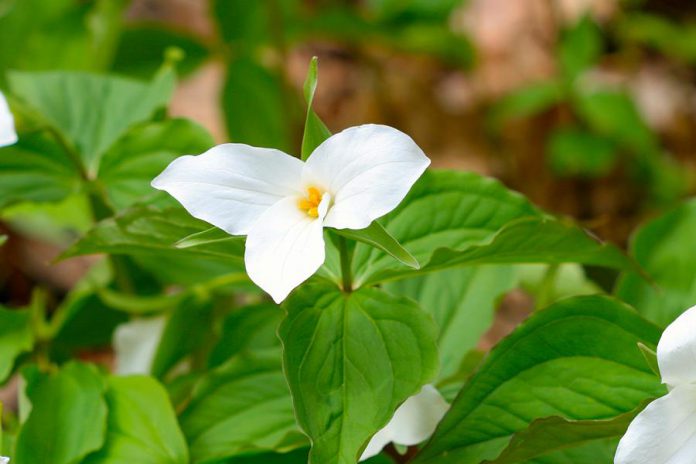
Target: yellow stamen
(310,204)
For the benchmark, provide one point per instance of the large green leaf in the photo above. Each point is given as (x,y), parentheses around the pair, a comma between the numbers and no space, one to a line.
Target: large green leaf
(90,111)
(129,166)
(142,426)
(153,231)
(68,416)
(243,406)
(443,209)
(36,169)
(452,219)
(462,302)
(665,248)
(350,360)
(545,436)
(16,337)
(577,359)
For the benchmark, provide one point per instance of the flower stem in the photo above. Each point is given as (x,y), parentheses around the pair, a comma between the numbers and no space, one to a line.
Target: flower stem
(346,264)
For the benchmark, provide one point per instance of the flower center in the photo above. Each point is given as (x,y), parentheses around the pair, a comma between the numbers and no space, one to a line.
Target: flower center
(310,204)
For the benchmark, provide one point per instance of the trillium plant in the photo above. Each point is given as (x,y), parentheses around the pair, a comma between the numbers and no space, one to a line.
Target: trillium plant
(328,303)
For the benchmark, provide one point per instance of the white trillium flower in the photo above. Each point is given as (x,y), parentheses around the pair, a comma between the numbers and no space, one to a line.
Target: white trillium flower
(282,204)
(135,345)
(413,422)
(8,136)
(4,460)
(665,431)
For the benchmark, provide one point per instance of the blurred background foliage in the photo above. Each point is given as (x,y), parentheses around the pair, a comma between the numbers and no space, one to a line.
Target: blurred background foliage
(588,107)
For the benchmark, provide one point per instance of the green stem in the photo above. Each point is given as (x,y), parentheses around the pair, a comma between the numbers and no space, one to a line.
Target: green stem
(346,264)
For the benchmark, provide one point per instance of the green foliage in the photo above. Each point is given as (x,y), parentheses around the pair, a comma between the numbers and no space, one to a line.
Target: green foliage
(241,407)
(91,112)
(68,415)
(142,426)
(380,349)
(576,152)
(577,360)
(579,48)
(16,337)
(663,247)
(545,436)
(476,221)
(462,302)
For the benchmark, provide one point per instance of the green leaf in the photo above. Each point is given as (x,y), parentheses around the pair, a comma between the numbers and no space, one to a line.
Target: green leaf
(315,132)
(462,302)
(154,231)
(242,407)
(142,46)
(614,115)
(66,34)
(91,111)
(142,426)
(3,239)
(68,415)
(351,360)
(577,359)
(672,38)
(36,169)
(187,329)
(377,236)
(580,47)
(544,436)
(467,219)
(248,329)
(664,247)
(293,457)
(528,101)
(575,152)
(443,209)
(16,337)
(255,106)
(129,166)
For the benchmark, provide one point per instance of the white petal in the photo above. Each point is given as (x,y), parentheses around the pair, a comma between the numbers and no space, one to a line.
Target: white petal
(4,460)
(135,345)
(414,421)
(231,185)
(285,247)
(368,170)
(664,432)
(8,136)
(676,352)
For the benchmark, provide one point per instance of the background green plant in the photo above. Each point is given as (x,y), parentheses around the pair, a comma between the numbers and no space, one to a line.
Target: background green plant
(90,92)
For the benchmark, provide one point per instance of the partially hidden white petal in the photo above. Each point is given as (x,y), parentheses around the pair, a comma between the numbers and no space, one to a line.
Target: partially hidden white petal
(231,185)
(285,247)
(8,136)
(135,345)
(664,432)
(4,460)
(676,352)
(413,422)
(368,169)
